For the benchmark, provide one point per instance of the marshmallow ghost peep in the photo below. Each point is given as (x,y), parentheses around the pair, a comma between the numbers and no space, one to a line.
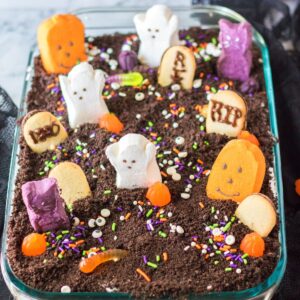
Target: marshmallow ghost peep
(157,30)
(82,90)
(133,157)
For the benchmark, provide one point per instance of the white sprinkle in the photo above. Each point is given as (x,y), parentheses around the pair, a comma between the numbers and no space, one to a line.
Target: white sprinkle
(122,94)
(209,287)
(203,251)
(126,47)
(135,202)
(105,212)
(230,240)
(204,246)
(65,289)
(179,140)
(122,218)
(115,238)
(164,112)
(171,96)
(171,170)
(110,50)
(193,244)
(186,248)
(76,221)
(157,94)
(170,214)
(115,85)
(187,190)
(192,177)
(239,271)
(113,62)
(201,119)
(170,162)
(197,83)
(189,186)
(207,228)
(102,167)
(139,96)
(226,218)
(179,229)
(175,87)
(91,223)
(216,232)
(168,116)
(176,177)
(185,196)
(175,125)
(182,154)
(138,116)
(140,208)
(104,55)
(96,233)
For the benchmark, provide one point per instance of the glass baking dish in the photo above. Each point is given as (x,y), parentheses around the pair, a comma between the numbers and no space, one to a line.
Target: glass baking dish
(109,20)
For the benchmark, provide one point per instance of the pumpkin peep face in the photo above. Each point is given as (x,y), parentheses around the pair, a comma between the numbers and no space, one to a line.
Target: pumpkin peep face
(237,172)
(61,43)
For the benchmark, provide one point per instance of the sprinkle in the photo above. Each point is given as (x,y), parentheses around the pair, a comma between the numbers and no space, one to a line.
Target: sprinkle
(209,287)
(105,212)
(212,209)
(185,196)
(65,289)
(179,229)
(127,216)
(152,265)
(162,234)
(165,256)
(228,269)
(143,274)
(107,192)
(113,226)
(201,204)
(238,271)
(157,258)
(149,213)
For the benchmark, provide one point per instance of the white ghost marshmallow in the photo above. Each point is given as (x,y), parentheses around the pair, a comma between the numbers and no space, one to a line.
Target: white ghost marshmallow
(134,158)
(157,30)
(82,90)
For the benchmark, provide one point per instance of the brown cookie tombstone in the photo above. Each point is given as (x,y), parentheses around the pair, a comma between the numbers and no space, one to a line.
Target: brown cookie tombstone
(226,113)
(42,131)
(177,65)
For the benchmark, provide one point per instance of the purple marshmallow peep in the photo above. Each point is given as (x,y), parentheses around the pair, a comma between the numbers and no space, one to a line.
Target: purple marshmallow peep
(44,205)
(235,60)
(127,60)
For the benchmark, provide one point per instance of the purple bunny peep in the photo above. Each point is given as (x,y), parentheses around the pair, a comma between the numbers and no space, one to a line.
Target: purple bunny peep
(44,205)
(235,60)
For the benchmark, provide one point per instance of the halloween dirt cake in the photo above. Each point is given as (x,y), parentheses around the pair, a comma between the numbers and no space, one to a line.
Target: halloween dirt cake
(145,162)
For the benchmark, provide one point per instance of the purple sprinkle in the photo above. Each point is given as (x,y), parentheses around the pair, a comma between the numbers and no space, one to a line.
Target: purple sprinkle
(100,240)
(238,257)
(80,227)
(61,249)
(145,259)
(53,234)
(76,250)
(78,234)
(119,208)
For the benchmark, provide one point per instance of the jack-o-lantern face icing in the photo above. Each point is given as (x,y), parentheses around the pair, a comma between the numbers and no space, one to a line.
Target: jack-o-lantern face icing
(238,171)
(61,43)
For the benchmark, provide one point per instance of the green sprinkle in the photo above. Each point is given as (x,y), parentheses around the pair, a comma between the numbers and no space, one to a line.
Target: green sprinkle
(195,146)
(206,143)
(202,127)
(210,241)
(197,180)
(157,258)
(113,226)
(83,253)
(54,157)
(150,123)
(60,256)
(245,261)
(152,265)
(162,234)
(213,89)
(47,244)
(159,155)
(149,213)
(214,40)
(218,252)
(73,238)
(207,58)
(59,237)
(65,231)
(245,255)
(227,226)
(107,192)
(228,269)
(212,210)
(103,248)
(41,173)
(232,219)
(159,139)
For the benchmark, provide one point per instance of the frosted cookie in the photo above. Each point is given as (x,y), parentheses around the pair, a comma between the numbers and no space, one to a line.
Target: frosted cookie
(42,131)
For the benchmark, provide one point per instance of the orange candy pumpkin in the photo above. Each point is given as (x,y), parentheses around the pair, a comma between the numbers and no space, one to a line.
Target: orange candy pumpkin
(253,244)
(297,186)
(111,123)
(61,43)
(246,135)
(237,172)
(158,194)
(34,244)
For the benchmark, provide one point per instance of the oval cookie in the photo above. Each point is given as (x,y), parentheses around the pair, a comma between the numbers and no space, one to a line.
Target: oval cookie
(43,131)
(71,181)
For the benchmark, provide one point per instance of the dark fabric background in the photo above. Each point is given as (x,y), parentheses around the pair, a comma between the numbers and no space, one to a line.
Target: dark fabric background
(286,79)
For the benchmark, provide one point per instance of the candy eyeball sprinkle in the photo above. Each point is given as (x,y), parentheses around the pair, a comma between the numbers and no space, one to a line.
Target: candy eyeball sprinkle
(91,223)
(100,221)
(92,254)
(230,240)
(216,232)
(96,233)
(105,212)
(179,140)
(65,289)
(139,96)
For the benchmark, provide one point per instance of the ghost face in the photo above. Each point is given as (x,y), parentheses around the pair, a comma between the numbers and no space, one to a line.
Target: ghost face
(154,31)
(132,159)
(82,86)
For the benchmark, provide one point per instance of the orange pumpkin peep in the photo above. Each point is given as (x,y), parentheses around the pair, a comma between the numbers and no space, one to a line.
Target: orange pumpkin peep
(61,43)
(237,172)
(158,194)
(253,244)
(111,123)
(246,135)
(34,244)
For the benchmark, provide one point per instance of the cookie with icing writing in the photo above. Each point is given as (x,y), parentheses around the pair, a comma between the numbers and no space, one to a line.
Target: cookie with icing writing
(42,131)
(178,65)
(226,114)
(237,172)
(71,181)
(258,213)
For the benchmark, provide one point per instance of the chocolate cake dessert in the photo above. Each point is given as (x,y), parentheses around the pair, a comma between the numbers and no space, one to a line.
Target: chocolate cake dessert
(127,195)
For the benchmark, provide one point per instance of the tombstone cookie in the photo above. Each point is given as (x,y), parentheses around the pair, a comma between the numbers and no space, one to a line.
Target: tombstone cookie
(237,172)
(258,213)
(61,43)
(42,131)
(226,114)
(71,181)
(133,157)
(235,60)
(44,205)
(82,90)
(157,30)
(178,65)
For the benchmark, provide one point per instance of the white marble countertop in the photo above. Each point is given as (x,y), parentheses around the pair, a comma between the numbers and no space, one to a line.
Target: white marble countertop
(18,25)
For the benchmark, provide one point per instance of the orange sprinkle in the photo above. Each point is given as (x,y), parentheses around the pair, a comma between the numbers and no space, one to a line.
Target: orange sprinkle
(142,273)
(82,223)
(49,86)
(230,83)
(127,216)
(176,150)
(228,258)
(163,219)
(206,256)
(201,204)
(166,125)
(232,250)
(198,246)
(140,202)
(200,161)
(55,253)
(72,245)
(165,256)
(79,242)
(205,172)
(153,134)
(163,174)
(201,75)
(172,105)
(207,88)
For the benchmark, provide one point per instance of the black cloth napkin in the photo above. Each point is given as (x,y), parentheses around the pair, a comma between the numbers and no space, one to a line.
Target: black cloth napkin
(286,79)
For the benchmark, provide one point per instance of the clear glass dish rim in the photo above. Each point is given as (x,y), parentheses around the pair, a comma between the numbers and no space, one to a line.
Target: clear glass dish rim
(272,281)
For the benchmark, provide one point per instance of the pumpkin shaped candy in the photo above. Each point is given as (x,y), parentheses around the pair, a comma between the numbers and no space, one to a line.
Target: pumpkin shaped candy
(237,172)
(61,43)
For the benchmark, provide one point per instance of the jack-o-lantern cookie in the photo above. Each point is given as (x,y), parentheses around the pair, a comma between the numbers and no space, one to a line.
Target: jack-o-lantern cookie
(258,213)
(61,43)
(237,172)
(71,181)
(42,131)
(226,114)
(178,65)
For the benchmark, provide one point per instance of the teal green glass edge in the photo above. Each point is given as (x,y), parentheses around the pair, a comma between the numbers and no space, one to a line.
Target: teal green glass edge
(264,288)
